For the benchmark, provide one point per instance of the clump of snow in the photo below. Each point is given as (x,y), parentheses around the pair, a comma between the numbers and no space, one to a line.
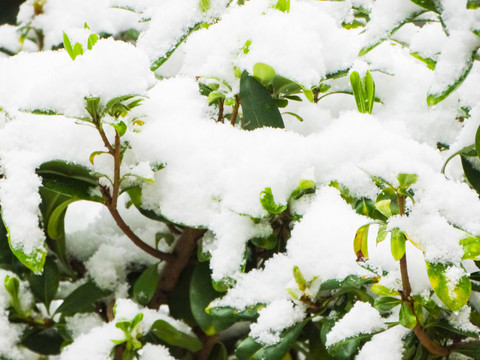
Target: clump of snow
(80,324)
(461,320)
(361,319)
(154,352)
(273,319)
(386,345)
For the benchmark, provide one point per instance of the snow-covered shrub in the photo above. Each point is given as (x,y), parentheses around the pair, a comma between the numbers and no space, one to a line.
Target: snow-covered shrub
(221,179)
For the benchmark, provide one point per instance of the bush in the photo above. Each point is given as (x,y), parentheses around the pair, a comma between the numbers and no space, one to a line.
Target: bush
(223,179)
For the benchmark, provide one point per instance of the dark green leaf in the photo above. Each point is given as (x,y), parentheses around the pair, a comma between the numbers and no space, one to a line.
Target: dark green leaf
(169,334)
(385,304)
(45,286)
(269,242)
(473,4)
(201,295)
(432,5)
(179,300)
(219,352)
(471,173)
(249,349)
(45,341)
(231,314)
(81,299)
(146,284)
(435,98)
(259,109)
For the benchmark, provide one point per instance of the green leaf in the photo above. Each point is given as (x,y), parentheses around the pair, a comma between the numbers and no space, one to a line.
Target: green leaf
(68,46)
(406,180)
(172,336)
(299,279)
(477,140)
(383,290)
(269,204)
(471,173)
(44,341)
(389,194)
(81,299)
(385,304)
(432,5)
(8,261)
(145,286)
(230,314)
(471,247)
(77,50)
(370,91)
(397,243)
(384,207)
(201,295)
(249,349)
(473,4)
(263,73)
(258,106)
(429,304)
(120,128)
(44,287)
(285,87)
(12,285)
(360,243)
(382,233)
(431,63)
(96,153)
(389,32)
(454,293)
(92,40)
(406,317)
(161,60)
(283,5)
(204,5)
(93,108)
(299,118)
(219,352)
(358,92)
(34,260)
(435,98)
(269,242)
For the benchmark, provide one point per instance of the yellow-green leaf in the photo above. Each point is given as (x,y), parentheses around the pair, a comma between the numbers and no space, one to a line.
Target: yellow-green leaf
(360,243)
(450,283)
(383,290)
(397,243)
(384,207)
(406,316)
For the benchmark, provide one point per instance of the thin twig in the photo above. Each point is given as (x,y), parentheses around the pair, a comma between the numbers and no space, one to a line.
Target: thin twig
(220,111)
(233,117)
(406,292)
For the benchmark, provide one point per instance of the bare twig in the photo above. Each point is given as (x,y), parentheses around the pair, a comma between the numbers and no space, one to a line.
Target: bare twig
(233,117)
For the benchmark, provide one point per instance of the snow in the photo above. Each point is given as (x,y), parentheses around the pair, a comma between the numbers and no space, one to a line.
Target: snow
(214,173)
(361,319)
(273,319)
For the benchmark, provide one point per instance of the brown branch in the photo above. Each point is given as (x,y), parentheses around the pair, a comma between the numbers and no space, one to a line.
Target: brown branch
(116,172)
(233,117)
(107,144)
(129,233)
(406,292)
(220,111)
(208,344)
(182,253)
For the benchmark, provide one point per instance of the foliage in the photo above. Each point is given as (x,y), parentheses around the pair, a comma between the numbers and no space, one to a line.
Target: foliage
(176,296)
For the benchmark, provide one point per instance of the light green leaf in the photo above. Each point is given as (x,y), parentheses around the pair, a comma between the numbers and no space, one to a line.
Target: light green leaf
(68,46)
(358,92)
(383,290)
(92,40)
(473,4)
(300,280)
(384,207)
(77,49)
(263,73)
(382,233)
(406,180)
(283,5)
(269,204)
(360,243)
(259,108)
(370,91)
(299,118)
(471,247)
(204,5)
(450,283)
(397,243)
(406,317)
